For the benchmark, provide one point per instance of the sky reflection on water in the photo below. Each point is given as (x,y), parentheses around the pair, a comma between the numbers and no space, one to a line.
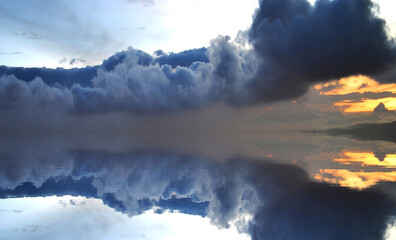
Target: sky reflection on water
(269,185)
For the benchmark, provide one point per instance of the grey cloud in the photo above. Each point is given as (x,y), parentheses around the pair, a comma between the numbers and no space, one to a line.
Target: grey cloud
(75,60)
(11,53)
(30,35)
(360,96)
(72,61)
(146,89)
(62,60)
(182,59)
(146,3)
(19,95)
(388,76)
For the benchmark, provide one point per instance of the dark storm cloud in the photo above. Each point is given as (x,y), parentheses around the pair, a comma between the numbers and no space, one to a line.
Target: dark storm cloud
(282,200)
(329,40)
(387,76)
(300,44)
(294,45)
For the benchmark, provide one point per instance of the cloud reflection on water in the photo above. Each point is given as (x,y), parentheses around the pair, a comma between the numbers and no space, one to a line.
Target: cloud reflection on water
(267,198)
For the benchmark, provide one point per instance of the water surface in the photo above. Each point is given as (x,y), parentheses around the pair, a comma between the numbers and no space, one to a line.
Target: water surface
(245,185)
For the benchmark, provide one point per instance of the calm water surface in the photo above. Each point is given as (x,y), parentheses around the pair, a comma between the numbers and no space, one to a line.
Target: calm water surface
(250,185)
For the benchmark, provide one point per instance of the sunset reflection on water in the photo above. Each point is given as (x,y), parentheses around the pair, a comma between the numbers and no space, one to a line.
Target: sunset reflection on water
(371,169)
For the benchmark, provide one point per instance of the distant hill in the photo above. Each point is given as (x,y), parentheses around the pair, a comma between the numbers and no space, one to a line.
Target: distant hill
(368,131)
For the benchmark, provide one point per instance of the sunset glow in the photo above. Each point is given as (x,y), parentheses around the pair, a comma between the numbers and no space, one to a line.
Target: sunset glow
(367,159)
(359,180)
(359,84)
(366,105)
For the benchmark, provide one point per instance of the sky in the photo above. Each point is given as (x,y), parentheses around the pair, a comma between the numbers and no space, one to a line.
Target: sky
(42,33)
(94,214)
(291,65)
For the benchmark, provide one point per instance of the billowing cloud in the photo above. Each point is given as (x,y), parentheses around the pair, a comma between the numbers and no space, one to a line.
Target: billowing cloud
(16,94)
(51,77)
(300,44)
(182,59)
(294,44)
(145,89)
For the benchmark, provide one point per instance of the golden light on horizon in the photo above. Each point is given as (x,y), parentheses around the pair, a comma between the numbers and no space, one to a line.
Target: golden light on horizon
(352,84)
(359,180)
(366,159)
(366,105)
(358,84)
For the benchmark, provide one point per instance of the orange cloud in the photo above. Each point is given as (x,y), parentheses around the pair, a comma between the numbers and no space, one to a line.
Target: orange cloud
(358,84)
(365,105)
(367,159)
(359,180)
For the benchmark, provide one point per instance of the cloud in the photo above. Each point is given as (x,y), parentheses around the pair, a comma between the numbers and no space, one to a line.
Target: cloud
(146,3)
(30,35)
(75,60)
(300,44)
(72,61)
(388,76)
(140,57)
(182,59)
(294,45)
(11,53)
(137,88)
(62,60)
(51,77)
(16,94)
